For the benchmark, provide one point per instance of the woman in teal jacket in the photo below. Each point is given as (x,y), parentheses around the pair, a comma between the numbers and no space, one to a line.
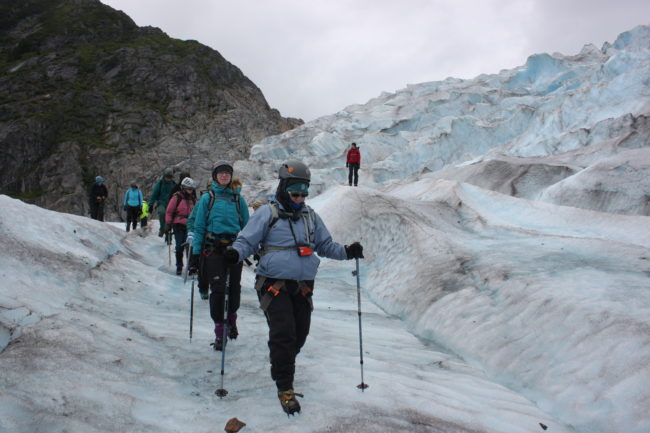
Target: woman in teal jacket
(220,215)
(132,205)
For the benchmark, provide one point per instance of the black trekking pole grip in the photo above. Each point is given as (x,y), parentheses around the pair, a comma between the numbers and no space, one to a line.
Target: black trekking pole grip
(362,385)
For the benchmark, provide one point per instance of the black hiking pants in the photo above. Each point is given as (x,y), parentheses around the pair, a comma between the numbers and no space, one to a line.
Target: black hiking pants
(289,317)
(213,271)
(353,173)
(180,235)
(97,210)
(132,214)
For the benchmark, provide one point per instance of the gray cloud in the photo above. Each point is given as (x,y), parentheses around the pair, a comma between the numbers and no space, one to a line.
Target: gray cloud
(314,58)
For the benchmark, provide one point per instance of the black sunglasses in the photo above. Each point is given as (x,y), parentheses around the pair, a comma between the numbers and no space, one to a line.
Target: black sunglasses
(298,194)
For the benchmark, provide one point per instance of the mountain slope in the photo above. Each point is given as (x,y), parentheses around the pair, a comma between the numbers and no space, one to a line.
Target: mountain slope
(84,91)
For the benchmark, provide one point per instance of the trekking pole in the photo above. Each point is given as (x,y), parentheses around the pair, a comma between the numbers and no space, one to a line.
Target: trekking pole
(188,249)
(187,269)
(362,385)
(192,308)
(169,246)
(222,392)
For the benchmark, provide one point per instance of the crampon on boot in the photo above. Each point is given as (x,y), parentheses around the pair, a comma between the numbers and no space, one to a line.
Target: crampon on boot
(288,401)
(218,332)
(218,344)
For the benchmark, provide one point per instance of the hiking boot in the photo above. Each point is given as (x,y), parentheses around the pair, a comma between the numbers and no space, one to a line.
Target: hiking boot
(218,344)
(233,333)
(179,269)
(232,326)
(288,401)
(218,333)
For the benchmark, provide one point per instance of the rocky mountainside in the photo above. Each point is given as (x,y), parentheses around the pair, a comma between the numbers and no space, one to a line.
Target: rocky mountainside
(84,91)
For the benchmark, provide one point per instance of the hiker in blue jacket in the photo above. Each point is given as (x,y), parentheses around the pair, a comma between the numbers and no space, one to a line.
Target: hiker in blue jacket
(219,216)
(132,205)
(286,233)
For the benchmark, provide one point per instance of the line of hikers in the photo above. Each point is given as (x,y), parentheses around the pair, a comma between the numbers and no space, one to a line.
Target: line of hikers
(283,235)
(135,206)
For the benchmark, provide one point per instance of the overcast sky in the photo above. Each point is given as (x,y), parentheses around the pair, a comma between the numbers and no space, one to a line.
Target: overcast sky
(311,58)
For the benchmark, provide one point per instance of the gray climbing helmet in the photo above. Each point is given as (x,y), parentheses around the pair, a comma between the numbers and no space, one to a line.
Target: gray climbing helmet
(221,166)
(294,170)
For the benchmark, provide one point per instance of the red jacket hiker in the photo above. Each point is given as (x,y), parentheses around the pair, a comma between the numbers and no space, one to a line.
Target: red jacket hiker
(353,156)
(353,162)
(179,208)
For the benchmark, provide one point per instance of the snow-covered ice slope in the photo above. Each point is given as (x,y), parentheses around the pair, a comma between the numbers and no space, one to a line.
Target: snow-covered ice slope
(561,115)
(96,331)
(551,301)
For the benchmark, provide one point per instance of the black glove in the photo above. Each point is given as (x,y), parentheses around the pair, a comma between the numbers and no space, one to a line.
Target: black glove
(354,251)
(193,266)
(347,165)
(231,256)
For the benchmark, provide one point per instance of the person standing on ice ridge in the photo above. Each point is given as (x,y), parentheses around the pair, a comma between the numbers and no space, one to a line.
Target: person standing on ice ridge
(286,233)
(353,162)
(220,214)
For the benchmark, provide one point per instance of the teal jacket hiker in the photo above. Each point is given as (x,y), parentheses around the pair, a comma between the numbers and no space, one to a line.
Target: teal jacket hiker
(229,214)
(133,197)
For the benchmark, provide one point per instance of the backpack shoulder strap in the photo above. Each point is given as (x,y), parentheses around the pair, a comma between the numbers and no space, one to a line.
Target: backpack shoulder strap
(178,201)
(311,216)
(275,214)
(210,204)
(241,218)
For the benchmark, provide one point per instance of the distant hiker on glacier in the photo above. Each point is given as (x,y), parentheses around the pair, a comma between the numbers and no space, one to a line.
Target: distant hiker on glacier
(97,198)
(353,162)
(178,210)
(144,215)
(177,187)
(286,233)
(220,215)
(160,197)
(132,206)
